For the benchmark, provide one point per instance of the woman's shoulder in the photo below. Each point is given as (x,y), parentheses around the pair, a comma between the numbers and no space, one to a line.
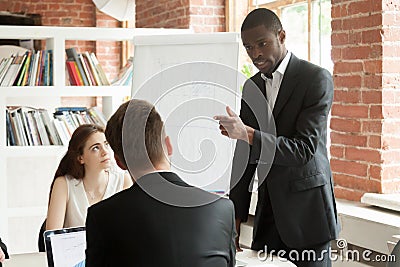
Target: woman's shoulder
(60,184)
(60,180)
(67,180)
(116,173)
(117,178)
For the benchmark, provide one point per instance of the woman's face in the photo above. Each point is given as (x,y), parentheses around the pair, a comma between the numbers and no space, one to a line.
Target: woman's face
(96,152)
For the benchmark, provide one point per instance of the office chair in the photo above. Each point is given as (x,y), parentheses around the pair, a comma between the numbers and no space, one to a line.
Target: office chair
(396,253)
(41,238)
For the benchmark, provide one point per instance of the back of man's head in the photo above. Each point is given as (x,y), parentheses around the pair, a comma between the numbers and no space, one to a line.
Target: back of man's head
(136,135)
(262,16)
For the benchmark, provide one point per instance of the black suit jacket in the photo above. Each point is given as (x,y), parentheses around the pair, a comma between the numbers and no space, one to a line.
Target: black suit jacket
(297,192)
(132,228)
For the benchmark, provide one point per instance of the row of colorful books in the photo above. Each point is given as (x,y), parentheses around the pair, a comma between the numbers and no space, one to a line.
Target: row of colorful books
(36,69)
(30,69)
(83,69)
(27,126)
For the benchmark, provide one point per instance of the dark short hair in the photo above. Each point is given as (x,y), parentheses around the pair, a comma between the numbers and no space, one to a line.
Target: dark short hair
(134,121)
(262,16)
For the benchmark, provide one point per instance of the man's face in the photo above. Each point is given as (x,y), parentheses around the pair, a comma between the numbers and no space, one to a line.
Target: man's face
(265,48)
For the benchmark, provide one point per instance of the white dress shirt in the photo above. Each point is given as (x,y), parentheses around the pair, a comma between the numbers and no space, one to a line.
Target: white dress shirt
(272,85)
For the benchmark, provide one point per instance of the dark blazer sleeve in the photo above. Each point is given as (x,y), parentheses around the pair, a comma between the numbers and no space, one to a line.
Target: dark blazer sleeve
(242,174)
(95,247)
(245,158)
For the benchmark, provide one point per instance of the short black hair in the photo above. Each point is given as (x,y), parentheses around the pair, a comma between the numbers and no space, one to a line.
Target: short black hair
(262,16)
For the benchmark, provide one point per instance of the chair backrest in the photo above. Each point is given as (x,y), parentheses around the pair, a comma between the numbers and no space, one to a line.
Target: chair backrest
(8,50)
(41,237)
(395,254)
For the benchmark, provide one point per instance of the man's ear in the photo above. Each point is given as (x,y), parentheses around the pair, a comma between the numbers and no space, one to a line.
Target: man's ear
(119,163)
(282,36)
(168,145)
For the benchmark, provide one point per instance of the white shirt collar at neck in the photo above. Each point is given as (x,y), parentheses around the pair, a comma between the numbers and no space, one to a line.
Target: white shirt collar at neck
(281,68)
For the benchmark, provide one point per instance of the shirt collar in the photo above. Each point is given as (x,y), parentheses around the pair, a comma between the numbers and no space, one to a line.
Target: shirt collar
(281,68)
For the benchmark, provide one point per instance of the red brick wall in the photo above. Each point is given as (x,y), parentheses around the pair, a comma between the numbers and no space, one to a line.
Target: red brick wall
(108,52)
(364,112)
(55,12)
(200,15)
(162,14)
(207,15)
(66,13)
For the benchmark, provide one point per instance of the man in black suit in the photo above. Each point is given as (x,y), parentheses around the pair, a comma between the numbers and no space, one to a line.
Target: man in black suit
(3,252)
(282,132)
(160,220)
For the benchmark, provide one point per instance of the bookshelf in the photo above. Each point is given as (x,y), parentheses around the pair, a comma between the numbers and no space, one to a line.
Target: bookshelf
(26,171)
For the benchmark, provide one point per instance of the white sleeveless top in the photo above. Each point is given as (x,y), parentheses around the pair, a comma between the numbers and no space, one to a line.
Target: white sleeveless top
(78,202)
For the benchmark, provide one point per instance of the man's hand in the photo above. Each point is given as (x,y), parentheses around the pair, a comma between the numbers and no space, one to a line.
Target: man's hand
(233,127)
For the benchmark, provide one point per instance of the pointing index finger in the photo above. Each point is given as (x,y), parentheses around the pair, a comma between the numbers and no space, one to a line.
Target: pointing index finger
(230,112)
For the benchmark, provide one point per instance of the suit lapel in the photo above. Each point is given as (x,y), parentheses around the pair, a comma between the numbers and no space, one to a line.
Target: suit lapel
(260,83)
(287,86)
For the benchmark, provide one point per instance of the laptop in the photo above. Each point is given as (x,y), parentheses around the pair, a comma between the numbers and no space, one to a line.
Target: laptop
(65,247)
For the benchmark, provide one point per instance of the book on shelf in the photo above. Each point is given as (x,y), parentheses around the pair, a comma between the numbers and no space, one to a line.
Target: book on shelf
(84,69)
(125,75)
(50,128)
(32,125)
(73,73)
(97,116)
(41,128)
(5,67)
(92,68)
(73,56)
(9,131)
(99,69)
(13,71)
(62,131)
(68,109)
(24,70)
(34,68)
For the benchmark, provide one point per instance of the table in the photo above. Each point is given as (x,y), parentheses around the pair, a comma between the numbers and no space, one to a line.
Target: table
(250,257)
(39,260)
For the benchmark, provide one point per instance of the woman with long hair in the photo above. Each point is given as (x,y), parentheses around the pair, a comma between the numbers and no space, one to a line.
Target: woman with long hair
(84,177)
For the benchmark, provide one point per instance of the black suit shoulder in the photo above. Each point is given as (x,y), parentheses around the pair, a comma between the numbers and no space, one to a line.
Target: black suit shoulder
(132,221)
(135,198)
